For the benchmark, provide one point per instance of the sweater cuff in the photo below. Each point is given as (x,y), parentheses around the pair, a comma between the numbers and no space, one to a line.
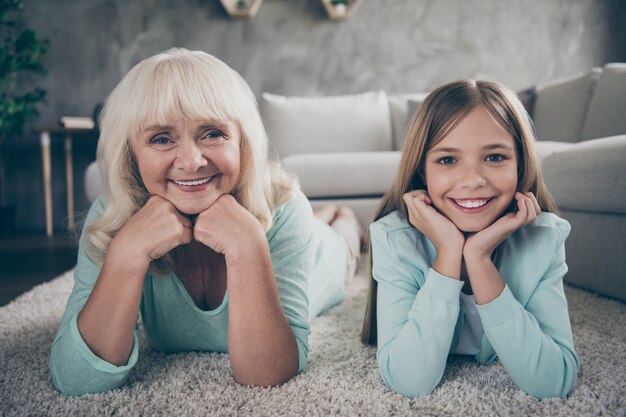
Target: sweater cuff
(499,310)
(97,362)
(442,288)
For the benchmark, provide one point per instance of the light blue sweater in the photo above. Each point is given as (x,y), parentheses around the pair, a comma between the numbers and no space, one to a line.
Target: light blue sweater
(309,261)
(419,314)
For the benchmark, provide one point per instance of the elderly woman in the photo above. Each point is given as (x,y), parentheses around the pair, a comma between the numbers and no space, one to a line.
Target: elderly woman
(197,230)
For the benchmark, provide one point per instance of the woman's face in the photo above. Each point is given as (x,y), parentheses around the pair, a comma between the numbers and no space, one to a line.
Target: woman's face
(471,174)
(190,163)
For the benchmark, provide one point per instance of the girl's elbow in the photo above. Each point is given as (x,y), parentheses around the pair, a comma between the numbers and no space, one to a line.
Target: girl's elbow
(410,384)
(410,388)
(549,387)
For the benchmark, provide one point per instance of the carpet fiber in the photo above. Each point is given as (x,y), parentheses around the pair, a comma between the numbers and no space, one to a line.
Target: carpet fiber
(341,377)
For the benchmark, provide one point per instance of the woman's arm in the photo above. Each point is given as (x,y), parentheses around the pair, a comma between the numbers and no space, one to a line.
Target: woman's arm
(106,321)
(417,310)
(262,346)
(96,345)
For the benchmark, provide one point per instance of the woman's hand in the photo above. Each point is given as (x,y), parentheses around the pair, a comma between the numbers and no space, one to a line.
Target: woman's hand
(153,231)
(483,243)
(228,228)
(444,234)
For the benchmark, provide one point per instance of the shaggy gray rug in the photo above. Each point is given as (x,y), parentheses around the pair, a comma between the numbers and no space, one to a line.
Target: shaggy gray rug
(341,377)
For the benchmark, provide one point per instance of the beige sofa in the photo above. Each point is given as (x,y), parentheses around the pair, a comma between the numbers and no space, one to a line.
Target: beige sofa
(346,150)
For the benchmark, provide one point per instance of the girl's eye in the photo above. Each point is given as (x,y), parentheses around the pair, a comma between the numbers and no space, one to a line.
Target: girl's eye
(495,158)
(446,160)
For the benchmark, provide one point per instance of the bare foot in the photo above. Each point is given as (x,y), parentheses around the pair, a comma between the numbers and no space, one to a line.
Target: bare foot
(327,213)
(348,214)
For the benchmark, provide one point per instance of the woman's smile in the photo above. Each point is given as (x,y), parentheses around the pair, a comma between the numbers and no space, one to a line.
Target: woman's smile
(190,163)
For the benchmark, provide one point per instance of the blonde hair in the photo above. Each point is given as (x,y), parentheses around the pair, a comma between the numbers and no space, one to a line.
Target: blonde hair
(166,87)
(440,112)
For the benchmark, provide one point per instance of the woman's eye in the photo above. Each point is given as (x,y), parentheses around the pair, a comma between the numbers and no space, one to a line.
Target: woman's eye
(213,134)
(446,160)
(160,140)
(495,158)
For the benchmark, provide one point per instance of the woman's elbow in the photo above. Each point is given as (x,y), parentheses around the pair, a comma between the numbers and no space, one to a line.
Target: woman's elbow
(264,379)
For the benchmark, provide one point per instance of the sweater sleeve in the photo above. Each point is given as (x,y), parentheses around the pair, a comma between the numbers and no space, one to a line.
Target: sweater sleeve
(292,248)
(75,369)
(534,342)
(415,323)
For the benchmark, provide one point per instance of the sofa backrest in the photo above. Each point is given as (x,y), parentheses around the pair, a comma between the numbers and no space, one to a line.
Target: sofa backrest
(561,106)
(350,123)
(607,110)
(402,108)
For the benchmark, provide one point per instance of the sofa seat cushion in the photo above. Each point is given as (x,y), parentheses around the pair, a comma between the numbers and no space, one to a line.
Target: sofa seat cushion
(561,106)
(589,176)
(343,174)
(606,115)
(353,123)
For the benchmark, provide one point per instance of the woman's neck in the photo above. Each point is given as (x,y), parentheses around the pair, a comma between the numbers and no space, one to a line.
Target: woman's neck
(203,273)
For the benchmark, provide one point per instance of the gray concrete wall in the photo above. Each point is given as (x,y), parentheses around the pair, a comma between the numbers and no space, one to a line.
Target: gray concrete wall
(291,47)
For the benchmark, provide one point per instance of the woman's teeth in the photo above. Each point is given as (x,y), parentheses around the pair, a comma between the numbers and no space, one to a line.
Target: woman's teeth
(472,203)
(195,182)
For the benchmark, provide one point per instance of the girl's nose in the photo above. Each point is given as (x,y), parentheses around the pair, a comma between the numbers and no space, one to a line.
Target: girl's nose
(473,177)
(189,156)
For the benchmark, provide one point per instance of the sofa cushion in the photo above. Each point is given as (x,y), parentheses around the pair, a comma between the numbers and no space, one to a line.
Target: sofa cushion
(402,108)
(353,123)
(589,176)
(606,115)
(342,174)
(548,147)
(93,182)
(561,106)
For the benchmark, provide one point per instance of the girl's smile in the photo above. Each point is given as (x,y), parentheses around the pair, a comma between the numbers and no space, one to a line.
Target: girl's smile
(472,205)
(471,174)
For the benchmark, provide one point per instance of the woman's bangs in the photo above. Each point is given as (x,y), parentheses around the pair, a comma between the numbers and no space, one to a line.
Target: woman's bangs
(174,97)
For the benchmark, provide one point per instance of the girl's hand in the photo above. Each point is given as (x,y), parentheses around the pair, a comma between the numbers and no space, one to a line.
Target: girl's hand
(444,234)
(483,243)
(228,228)
(435,226)
(154,230)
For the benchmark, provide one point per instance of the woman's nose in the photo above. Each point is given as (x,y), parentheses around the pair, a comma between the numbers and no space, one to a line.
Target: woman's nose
(189,156)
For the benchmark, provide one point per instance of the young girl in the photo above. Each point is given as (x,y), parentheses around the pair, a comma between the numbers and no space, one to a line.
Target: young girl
(198,231)
(467,254)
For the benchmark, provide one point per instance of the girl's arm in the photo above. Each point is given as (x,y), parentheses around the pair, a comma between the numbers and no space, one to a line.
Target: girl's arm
(417,310)
(534,341)
(267,290)
(96,345)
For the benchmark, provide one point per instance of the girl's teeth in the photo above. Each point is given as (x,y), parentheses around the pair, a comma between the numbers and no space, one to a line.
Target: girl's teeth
(471,203)
(196,182)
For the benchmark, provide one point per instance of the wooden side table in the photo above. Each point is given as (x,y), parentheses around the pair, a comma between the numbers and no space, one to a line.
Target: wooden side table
(45,136)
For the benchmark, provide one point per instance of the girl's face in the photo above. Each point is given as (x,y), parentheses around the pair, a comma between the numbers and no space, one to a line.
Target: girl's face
(190,163)
(471,174)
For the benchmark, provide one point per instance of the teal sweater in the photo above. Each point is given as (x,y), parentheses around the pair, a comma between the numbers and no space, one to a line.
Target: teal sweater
(309,261)
(420,316)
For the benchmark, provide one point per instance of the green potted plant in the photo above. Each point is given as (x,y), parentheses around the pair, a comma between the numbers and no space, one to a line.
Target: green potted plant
(20,55)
